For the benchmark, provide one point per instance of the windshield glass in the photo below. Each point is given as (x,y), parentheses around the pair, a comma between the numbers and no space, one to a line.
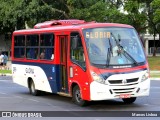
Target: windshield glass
(113,46)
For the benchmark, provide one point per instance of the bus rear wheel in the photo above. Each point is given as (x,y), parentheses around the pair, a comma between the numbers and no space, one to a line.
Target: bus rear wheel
(32,89)
(129,100)
(77,97)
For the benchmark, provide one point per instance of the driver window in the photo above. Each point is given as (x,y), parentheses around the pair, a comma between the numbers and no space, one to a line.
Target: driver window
(77,54)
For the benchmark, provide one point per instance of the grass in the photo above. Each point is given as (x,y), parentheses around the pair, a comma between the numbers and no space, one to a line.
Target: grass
(5,71)
(154,65)
(155,75)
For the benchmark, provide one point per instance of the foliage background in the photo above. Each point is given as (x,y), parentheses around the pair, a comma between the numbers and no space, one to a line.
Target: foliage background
(142,14)
(15,14)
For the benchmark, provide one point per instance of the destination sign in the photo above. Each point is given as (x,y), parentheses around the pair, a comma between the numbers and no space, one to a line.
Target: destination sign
(94,35)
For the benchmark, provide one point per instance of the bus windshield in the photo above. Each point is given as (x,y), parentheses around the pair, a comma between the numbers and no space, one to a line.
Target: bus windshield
(113,46)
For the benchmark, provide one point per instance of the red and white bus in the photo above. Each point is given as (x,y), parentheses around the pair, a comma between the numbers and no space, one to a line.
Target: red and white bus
(87,61)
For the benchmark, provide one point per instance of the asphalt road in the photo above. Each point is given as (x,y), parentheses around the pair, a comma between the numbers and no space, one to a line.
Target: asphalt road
(14,97)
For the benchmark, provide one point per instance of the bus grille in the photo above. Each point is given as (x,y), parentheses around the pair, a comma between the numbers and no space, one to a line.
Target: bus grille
(122,82)
(117,92)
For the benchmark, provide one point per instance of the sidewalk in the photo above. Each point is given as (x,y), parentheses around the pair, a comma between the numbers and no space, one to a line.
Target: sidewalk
(155,72)
(9,65)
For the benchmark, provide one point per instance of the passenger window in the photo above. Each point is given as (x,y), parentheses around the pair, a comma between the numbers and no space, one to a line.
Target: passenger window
(32,53)
(32,45)
(19,46)
(77,53)
(47,46)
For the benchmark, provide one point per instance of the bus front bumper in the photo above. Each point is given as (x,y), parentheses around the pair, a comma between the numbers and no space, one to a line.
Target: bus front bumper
(100,91)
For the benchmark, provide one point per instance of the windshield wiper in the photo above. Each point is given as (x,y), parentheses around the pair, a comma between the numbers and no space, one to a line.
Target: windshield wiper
(109,53)
(108,57)
(125,53)
(122,50)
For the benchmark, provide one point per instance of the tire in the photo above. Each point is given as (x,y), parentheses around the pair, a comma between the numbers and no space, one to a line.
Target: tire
(129,100)
(32,89)
(76,97)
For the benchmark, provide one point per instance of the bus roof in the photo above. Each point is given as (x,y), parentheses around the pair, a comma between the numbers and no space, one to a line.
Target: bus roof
(72,27)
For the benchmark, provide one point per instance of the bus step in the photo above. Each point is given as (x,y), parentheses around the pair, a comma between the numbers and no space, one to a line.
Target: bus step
(64,94)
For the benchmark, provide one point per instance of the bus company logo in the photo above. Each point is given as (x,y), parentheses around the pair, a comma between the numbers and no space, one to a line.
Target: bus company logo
(29,70)
(124,81)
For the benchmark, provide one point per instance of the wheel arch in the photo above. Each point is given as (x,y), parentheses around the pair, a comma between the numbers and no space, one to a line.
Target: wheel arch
(72,86)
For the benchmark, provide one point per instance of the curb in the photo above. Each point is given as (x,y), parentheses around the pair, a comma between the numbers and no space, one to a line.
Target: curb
(154,71)
(154,78)
(1,74)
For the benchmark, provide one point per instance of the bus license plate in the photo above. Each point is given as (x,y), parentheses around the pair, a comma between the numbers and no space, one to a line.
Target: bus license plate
(125,96)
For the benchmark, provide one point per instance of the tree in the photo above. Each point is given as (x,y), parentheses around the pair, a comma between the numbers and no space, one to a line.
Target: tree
(15,14)
(90,10)
(18,13)
(8,19)
(156,21)
(136,15)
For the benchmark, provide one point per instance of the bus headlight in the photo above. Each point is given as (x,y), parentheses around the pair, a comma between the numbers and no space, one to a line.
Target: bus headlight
(145,76)
(97,78)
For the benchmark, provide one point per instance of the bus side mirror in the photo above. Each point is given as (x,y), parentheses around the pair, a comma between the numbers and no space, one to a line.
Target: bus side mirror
(74,43)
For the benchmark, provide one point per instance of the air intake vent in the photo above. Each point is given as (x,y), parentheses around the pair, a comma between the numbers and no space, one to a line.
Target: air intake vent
(58,22)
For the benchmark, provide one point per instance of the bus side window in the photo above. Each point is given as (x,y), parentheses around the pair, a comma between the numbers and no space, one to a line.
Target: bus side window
(32,45)
(77,54)
(19,46)
(47,46)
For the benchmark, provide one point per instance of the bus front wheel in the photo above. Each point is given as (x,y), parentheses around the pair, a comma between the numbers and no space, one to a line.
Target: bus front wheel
(129,100)
(32,89)
(77,97)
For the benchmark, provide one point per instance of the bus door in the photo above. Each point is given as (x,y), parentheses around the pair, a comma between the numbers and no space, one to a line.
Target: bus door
(77,71)
(63,64)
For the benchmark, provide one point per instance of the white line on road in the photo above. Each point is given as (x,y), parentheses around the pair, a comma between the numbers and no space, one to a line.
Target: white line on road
(18,97)
(6,81)
(155,87)
(149,105)
(146,104)
(6,97)
(33,100)
(3,93)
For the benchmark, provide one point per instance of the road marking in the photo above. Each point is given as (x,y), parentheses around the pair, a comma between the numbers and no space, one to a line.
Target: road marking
(155,87)
(3,93)
(33,100)
(146,104)
(6,97)
(18,97)
(7,81)
(149,104)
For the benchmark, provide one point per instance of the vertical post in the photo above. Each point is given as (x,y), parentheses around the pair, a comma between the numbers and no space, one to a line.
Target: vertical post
(146,47)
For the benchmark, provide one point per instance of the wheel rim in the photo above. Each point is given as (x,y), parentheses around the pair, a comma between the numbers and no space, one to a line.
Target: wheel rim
(78,95)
